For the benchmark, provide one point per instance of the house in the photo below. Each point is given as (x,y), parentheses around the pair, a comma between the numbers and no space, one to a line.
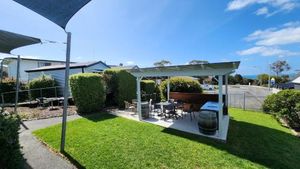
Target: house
(296,83)
(26,64)
(58,71)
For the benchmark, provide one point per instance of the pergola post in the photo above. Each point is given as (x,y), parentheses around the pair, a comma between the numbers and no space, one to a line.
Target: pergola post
(226,90)
(220,114)
(138,95)
(17,84)
(168,89)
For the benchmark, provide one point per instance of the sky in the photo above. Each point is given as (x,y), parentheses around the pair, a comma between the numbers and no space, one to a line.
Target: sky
(141,32)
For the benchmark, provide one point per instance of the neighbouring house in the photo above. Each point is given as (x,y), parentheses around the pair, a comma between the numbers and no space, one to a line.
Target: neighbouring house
(26,64)
(124,67)
(296,83)
(58,71)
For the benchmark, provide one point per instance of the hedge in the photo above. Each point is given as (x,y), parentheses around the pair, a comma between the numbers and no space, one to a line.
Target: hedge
(10,149)
(180,84)
(88,91)
(121,86)
(42,82)
(148,86)
(285,104)
(150,90)
(9,85)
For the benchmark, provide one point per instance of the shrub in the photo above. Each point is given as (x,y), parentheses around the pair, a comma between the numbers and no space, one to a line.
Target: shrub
(42,82)
(148,88)
(126,87)
(10,153)
(111,80)
(285,104)
(121,86)
(180,84)
(88,91)
(9,85)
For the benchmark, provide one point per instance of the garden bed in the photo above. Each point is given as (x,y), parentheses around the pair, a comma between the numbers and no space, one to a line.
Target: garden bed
(27,113)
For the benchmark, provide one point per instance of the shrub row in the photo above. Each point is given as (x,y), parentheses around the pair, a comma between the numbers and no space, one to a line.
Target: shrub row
(10,153)
(9,85)
(88,91)
(42,82)
(180,84)
(285,104)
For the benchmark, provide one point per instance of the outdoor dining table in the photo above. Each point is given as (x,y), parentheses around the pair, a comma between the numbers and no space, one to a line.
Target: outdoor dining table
(53,99)
(162,105)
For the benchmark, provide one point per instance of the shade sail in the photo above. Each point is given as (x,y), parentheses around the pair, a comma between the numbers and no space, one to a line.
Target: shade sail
(10,41)
(57,11)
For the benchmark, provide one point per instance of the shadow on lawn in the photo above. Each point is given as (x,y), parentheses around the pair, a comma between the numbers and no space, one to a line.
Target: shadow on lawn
(73,161)
(262,145)
(100,116)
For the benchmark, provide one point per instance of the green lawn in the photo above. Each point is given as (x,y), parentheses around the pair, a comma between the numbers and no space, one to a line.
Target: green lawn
(255,140)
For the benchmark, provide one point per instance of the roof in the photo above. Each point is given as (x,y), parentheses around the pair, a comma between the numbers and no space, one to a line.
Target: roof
(206,69)
(297,80)
(33,59)
(72,66)
(10,41)
(124,67)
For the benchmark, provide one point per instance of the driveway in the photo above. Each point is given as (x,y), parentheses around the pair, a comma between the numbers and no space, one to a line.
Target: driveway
(38,155)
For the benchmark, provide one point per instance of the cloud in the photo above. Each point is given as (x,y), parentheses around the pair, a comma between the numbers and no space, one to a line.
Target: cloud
(262,11)
(276,5)
(130,63)
(289,33)
(267,51)
(269,42)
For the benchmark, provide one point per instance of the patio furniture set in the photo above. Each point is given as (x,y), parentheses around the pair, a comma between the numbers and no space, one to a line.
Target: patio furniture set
(207,118)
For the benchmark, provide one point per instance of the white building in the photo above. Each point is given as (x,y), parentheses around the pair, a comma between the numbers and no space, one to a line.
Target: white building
(58,71)
(25,64)
(297,83)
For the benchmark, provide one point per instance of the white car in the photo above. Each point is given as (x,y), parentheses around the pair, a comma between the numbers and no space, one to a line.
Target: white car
(207,87)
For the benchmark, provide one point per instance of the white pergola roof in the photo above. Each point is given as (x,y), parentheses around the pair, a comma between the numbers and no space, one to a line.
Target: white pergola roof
(208,69)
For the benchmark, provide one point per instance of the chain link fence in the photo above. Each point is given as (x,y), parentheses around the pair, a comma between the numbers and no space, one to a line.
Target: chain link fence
(246,101)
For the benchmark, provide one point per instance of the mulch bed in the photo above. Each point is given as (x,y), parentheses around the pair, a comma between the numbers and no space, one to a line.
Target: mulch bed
(27,113)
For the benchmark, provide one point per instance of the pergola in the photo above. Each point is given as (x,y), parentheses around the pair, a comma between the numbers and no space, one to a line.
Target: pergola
(221,70)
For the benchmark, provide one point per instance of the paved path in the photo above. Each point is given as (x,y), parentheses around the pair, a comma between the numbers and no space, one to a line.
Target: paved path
(37,155)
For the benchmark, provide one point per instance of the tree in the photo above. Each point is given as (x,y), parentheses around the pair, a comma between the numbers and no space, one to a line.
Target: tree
(231,80)
(238,78)
(263,78)
(280,66)
(162,63)
(195,62)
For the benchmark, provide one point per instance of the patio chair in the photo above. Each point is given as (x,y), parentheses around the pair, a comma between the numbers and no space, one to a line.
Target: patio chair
(130,106)
(179,106)
(170,111)
(188,108)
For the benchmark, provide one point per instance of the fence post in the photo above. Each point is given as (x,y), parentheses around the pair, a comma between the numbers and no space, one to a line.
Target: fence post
(244,105)
(55,91)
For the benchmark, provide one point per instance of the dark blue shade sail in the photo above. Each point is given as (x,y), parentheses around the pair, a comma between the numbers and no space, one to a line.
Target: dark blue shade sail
(10,41)
(57,11)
